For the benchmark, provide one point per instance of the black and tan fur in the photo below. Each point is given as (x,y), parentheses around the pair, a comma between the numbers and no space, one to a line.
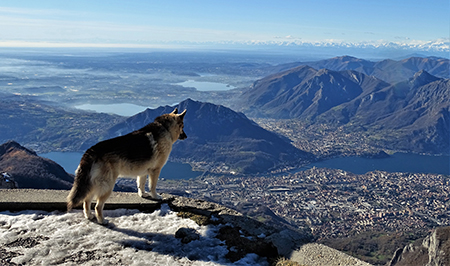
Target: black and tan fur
(140,153)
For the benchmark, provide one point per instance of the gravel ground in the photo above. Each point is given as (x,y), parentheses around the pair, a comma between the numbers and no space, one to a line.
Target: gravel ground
(319,255)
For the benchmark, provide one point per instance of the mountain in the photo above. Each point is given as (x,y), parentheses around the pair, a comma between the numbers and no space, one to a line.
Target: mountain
(304,92)
(395,71)
(318,48)
(374,104)
(220,136)
(417,110)
(31,171)
(410,115)
(345,63)
(388,70)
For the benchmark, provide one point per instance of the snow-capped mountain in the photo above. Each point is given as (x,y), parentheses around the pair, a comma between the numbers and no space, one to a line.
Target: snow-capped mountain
(440,46)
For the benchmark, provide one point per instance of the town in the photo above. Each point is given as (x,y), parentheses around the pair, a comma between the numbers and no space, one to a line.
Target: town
(333,203)
(327,141)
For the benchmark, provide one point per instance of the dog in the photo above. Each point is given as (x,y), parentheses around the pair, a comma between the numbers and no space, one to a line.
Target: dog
(140,153)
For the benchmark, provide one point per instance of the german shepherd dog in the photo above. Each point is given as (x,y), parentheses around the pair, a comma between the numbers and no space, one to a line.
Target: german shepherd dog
(140,153)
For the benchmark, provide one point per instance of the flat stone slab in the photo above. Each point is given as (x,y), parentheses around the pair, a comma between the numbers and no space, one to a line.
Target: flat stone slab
(52,200)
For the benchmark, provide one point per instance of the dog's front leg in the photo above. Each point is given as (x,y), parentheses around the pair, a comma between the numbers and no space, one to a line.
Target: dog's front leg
(141,186)
(154,175)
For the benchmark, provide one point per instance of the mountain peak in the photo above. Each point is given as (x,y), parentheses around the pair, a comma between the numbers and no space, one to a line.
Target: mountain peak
(421,78)
(347,58)
(187,102)
(10,145)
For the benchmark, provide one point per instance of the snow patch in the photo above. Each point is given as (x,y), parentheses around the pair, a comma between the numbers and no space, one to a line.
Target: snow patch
(130,238)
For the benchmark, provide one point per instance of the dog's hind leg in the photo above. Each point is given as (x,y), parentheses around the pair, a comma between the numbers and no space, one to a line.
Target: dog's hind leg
(154,175)
(99,207)
(141,186)
(87,208)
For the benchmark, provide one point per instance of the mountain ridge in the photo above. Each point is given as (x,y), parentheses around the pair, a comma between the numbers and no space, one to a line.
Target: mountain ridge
(388,70)
(304,92)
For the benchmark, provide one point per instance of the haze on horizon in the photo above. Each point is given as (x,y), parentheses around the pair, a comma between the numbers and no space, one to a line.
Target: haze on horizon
(184,24)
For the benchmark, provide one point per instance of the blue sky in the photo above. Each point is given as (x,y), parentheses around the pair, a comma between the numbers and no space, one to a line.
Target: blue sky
(145,22)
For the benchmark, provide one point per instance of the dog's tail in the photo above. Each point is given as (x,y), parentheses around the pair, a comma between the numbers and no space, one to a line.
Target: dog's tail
(82,183)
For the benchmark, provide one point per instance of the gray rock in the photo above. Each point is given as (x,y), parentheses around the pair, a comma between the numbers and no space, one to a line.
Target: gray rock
(6,181)
(187,235)
(433,250)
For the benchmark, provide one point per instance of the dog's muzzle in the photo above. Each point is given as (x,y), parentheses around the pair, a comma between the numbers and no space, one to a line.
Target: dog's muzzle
(182,135)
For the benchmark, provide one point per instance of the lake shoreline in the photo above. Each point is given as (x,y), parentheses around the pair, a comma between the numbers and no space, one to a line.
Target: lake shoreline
(398,162)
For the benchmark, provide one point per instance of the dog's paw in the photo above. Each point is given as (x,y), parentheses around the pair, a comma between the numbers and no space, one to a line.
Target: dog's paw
(90,216)
(143,194)
(156,197)
(103,222)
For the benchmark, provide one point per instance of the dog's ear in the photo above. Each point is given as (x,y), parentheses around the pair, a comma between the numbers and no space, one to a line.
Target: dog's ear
(175,111)
(182,114)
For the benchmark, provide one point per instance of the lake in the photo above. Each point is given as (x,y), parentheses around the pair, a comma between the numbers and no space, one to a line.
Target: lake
(123,109)
(172,170)
(205,86)
(398,162)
